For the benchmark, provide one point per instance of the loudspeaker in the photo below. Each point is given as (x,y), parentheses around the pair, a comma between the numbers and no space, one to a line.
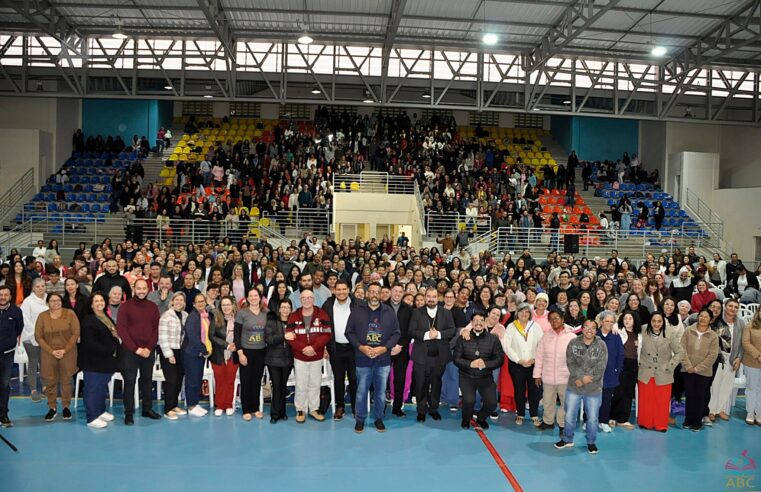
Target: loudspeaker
(570,243)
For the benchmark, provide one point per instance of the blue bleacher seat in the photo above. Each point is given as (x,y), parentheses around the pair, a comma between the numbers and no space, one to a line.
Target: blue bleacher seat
(85,207)
(95,207)
(92,197)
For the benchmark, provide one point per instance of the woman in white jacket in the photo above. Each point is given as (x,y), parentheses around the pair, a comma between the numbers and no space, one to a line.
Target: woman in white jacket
(519,343)
(32,306)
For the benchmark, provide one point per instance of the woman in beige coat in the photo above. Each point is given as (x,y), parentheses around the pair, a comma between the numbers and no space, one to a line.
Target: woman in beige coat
(701,348)
(659,355)
(57,332)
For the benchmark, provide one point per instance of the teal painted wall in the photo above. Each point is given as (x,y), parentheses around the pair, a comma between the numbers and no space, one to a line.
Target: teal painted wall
(596,139)
(125,117)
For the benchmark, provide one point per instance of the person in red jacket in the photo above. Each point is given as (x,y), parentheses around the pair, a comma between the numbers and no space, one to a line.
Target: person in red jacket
(308,332)
(138,328)
(702,297)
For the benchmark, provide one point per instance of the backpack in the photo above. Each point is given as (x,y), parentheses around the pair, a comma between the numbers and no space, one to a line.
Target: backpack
(325,399)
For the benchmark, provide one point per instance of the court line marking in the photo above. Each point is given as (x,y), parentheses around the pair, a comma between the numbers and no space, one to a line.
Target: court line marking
(498,459)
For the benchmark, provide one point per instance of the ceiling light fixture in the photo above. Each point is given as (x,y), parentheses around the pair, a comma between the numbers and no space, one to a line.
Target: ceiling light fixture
(168,87)
(489,38)
(426,95)
(305,38)
(567,101)
(316,90)
(207,96)
(658,51)
(368,98)
(119,34)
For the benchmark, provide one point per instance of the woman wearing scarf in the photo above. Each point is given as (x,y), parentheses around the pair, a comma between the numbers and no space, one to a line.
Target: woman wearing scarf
(519,342)
(224,359)
(195,348)
(730,330)
(171,326)
(98,347)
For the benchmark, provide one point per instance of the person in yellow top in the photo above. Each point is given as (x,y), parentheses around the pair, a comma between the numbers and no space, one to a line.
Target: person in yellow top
(57,333)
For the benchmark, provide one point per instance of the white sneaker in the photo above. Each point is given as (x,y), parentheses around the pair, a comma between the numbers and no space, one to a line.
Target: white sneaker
(749,419)
(179,411)
(605,428)
(106,417)
(230,411)
(218,412)
(97,424)
(170,415)
(707,422)
(196,411)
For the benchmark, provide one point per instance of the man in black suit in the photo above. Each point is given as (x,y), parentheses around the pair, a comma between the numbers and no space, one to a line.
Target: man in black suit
(250,270)
(342,356)
(400,354)
(432,327)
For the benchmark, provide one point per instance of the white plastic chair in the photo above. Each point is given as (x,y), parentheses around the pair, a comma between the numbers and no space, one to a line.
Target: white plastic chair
(158,377)
(236,390)
(740,383)
(327,380)
(21,358)
(747,311)
(208,375)
(118,377)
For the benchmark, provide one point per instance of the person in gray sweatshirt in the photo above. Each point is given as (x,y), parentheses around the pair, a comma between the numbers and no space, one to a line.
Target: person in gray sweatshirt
(586,357)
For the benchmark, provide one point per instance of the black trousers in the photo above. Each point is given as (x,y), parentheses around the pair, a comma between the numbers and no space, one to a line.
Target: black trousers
(400,362)
(523,382)
(173,374)
(251,380)
(428,384)
(342,360)
(621,406)
(677,388)
(279,378)
(714,368)
(696,388)
(130,364)
(488,391)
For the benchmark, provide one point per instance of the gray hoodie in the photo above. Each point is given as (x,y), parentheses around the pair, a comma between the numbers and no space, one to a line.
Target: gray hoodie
(583,360)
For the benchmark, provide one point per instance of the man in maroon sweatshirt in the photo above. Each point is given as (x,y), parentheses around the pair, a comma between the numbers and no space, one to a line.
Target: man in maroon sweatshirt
(138,328)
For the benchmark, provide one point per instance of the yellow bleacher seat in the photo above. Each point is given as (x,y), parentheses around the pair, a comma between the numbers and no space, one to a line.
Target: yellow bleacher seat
(354,186)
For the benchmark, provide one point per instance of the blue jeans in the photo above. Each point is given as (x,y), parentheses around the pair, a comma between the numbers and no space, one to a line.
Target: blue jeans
(96,389)
(573,403)
(377,377)
(450,385)
(193,378)
(6,366)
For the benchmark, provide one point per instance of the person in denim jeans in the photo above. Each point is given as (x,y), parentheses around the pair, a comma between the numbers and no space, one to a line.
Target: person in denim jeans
(586,358)
(373,330)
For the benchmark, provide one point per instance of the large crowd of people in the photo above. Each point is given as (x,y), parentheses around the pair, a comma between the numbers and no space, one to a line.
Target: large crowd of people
(498,336)
(294,169)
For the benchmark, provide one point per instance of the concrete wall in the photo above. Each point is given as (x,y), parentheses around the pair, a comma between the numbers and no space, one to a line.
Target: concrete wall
(368,210)
(21,152)
(54,119)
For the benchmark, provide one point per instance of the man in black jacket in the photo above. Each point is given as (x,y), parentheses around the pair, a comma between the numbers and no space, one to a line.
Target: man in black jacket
(432,327)
(112,278)
(400,354)
(11,326)
(476,358)
(342,357)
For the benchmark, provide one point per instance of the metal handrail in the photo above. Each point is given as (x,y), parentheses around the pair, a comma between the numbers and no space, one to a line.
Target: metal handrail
(438,223)
(710,220)
(17,195)
(373,182)
(590,242)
